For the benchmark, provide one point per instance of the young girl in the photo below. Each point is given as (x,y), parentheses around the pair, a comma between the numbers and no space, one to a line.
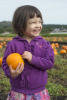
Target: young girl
(28,83)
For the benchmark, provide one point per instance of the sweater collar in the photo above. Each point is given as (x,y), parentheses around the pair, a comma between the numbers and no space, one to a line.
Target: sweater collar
(22,39)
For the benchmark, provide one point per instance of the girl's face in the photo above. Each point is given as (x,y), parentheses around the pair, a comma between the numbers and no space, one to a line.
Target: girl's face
(34,27)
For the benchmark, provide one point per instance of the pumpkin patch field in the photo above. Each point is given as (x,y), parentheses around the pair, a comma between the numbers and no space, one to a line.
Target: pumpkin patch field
(57,76)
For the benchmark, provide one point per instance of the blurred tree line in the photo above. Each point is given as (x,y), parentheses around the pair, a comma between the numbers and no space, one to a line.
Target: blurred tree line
(6,26)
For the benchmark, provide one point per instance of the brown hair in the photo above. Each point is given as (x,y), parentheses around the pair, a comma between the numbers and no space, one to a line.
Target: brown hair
(21,16)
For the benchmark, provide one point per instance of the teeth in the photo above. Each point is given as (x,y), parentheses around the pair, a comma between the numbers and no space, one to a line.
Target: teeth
(36,30)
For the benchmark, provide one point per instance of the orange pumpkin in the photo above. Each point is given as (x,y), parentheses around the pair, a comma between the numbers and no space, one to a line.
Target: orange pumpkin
(1,61)
(56,45)
(0,46)
(55,51)
(14,59)
(64,46)
(63,51)
(53,45)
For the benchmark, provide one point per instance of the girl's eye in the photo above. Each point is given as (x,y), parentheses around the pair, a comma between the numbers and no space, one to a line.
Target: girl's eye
(33,22)
(40,22)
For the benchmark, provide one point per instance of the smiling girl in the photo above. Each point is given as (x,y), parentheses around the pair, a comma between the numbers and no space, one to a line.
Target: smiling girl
(29,83)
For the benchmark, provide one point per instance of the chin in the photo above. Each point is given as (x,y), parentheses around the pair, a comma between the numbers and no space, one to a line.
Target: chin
(37,35)
(34,35)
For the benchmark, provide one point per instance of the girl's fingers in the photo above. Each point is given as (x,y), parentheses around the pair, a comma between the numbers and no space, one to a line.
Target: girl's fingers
(18,67)
(11,70)
(10,67)
(21,68)
(23,56)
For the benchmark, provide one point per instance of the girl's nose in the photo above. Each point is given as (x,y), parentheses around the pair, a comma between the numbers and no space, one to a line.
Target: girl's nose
(38,25)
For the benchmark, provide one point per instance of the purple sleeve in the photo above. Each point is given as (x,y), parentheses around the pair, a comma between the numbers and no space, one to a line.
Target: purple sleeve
(4,64)
(46,62)
(9,49)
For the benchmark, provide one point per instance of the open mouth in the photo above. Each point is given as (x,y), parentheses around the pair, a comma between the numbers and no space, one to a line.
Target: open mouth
(36,31)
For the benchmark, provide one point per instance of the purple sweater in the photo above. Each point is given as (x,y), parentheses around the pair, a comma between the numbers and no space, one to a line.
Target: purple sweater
(34,76)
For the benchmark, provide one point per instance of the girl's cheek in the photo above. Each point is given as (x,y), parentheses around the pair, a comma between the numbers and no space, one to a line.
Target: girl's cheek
(40,26)
(33,25)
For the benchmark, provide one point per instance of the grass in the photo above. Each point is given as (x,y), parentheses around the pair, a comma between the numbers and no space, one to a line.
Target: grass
(7,35)
(45,35)
(57,77)
(54,35)
(4,83)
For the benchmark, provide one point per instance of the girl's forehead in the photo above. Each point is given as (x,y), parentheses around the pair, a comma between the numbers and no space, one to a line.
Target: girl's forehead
(34,18)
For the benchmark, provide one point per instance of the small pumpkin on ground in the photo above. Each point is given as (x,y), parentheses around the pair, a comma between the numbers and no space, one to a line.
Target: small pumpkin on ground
(1,61)
(62,51)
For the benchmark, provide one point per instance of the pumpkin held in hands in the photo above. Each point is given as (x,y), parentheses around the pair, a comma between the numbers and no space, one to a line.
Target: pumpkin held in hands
(14,59)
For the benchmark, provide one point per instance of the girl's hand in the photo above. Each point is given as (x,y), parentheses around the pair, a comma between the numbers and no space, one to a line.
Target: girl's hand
(27,55)
(18,70)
